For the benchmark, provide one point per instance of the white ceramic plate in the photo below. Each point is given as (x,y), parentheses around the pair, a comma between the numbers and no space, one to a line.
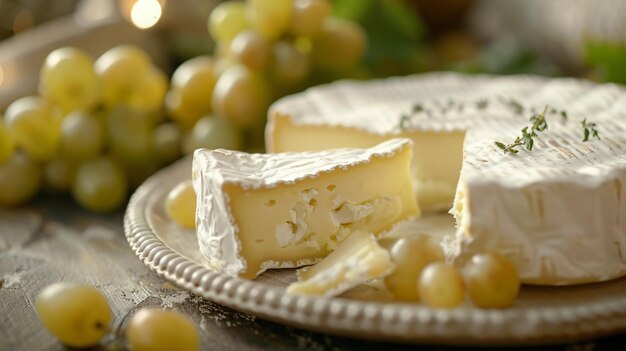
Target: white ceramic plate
(541,314)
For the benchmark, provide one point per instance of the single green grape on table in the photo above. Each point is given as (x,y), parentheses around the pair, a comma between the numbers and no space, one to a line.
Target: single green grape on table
(180,205)
(492,280)
(159,330)
(441,285)
(78,315)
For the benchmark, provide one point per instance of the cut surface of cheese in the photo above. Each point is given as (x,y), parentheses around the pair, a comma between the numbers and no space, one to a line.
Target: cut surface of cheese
(260,211)
(435,178)
(356,261)
(558,211)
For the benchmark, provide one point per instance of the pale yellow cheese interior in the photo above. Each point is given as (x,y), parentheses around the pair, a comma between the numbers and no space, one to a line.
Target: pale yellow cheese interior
(437,155)
(304,221)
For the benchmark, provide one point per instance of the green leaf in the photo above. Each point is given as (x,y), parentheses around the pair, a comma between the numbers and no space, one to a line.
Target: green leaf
(529,144)
(500,145)
(607,59)
(395,34)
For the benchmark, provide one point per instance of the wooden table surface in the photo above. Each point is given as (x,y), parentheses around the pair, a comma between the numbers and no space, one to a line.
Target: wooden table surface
(53,240)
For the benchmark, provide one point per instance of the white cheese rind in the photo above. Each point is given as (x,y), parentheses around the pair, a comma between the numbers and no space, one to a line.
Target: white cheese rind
(214,170)
(559,211)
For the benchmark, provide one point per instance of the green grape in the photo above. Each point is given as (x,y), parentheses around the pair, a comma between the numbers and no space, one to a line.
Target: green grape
(271,18)
(441,285)
(78,315)
(130,133)
(339,43)
(251,49)
(82,137)
(224,63)
(166,140)
(411,254)
(7,144)
(192,85)
(182,112)
(226,20)
(158,330)
(291,66)
(68,79)
(33,127)
(149,93)
(308,16)
(212,133)
(20,180)
(100,185)
(241,97)
(59,174)
(195,78)
(222,49)
(180,205)
(492,280)
(122,70)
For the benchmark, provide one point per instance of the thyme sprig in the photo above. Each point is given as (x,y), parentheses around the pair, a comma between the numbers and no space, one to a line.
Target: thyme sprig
(589,129)
(527,139)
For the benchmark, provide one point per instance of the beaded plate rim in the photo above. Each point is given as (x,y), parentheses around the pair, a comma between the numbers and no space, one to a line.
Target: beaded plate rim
(398,322)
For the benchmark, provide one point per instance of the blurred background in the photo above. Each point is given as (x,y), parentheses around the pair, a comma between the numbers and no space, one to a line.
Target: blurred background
(213,67)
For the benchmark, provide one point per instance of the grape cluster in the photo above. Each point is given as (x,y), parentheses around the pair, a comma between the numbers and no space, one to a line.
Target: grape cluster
(99,128)
(79,316)
(264,49)
(95,129)
(490,279)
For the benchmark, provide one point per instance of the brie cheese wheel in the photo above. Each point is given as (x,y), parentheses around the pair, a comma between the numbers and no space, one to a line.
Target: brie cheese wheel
(558,211)
(260,211)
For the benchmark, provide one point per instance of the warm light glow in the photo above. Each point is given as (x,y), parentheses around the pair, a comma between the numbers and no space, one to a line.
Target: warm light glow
(145,13)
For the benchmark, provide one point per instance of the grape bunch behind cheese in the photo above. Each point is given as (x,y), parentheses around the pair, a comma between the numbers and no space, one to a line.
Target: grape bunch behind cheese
(99,127)
(265,49)
(95,129)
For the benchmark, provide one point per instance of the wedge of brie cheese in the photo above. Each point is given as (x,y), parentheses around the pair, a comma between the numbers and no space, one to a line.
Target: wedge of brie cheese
(260,211)
(558,211)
